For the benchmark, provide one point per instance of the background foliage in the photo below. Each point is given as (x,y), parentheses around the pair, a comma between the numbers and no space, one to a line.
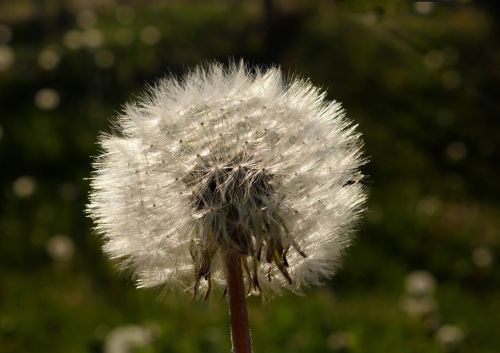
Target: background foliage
(421,79)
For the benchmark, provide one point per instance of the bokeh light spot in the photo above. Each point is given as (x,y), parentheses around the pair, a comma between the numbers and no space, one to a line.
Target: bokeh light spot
(86,18)
(456,151)
(48,59)
(104,58)
(125,14)
(61,248)
(5,34)
(423,7)
(24,187)
(47,99)
(6,57)
(150,35)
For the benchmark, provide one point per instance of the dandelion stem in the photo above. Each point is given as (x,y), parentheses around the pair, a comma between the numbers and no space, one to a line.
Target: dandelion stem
(240,331)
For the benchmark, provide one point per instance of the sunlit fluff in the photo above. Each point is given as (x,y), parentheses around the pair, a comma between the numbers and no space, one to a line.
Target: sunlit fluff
(229,159)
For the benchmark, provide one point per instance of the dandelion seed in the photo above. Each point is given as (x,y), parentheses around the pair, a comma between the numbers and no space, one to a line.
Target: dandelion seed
(229,173)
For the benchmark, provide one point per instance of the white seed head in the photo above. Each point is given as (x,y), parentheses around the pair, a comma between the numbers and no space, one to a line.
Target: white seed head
(229,159)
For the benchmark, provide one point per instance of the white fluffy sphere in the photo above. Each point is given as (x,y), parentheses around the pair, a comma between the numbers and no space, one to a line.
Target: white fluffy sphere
(229,159)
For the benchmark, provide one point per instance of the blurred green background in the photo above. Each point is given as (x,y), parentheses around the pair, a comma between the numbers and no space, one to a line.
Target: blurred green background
(420,78)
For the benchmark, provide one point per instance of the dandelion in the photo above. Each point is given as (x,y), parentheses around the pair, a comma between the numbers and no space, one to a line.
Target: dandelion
(231,178)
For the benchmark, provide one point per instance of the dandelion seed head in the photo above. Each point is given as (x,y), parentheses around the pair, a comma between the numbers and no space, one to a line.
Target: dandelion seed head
(229,159)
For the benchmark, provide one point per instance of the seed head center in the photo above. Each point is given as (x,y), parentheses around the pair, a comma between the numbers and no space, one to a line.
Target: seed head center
(236,203)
